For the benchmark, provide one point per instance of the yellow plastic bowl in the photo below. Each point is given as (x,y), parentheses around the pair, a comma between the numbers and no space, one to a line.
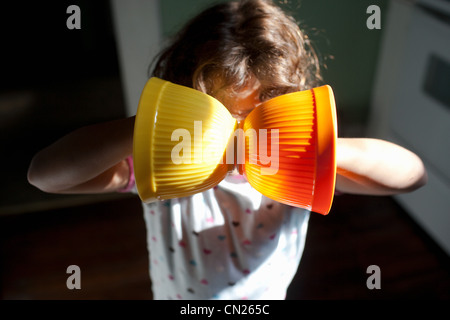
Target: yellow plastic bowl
(180,136)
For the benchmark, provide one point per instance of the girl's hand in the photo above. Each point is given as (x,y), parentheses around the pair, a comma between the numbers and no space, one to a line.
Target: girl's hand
(377,167)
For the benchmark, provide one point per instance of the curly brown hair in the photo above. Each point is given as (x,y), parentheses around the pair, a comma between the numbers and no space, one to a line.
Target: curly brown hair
(230,43)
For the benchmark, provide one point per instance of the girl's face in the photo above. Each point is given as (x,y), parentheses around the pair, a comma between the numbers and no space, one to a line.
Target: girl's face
(240,104)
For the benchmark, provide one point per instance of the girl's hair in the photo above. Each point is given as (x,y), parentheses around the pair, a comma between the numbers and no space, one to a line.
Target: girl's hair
(232,43)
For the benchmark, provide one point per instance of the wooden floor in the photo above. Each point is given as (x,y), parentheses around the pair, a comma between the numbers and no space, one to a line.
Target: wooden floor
(107,241)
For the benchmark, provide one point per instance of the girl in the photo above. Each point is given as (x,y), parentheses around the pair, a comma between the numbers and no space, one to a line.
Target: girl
(229,242)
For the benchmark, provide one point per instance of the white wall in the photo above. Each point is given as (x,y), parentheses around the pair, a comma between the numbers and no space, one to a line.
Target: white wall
(137,26)
(404,114)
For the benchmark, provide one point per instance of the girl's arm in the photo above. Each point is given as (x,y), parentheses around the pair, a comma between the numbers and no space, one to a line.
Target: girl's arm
(88,160)
(377,167)
(92,160)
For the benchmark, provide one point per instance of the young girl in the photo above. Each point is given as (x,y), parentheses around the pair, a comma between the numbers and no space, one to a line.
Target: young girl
(229,242)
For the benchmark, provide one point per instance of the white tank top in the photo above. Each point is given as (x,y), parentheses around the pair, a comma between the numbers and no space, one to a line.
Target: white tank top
(229,242)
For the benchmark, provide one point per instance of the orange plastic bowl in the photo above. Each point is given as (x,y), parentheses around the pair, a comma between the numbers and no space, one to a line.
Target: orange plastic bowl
(305,175)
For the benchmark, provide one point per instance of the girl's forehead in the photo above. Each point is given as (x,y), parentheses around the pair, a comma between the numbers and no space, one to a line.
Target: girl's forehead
(240,103)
